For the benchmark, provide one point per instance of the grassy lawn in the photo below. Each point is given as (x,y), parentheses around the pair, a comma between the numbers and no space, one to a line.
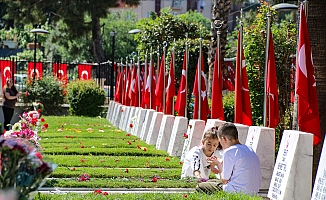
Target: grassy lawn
(112,159)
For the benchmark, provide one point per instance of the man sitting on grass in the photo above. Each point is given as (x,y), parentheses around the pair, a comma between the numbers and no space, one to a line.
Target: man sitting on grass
(239,168)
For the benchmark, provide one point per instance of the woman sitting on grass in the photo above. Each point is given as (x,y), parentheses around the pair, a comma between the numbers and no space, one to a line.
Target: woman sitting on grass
(197,161)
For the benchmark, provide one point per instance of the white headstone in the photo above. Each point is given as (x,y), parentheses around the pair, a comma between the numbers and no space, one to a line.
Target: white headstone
(292,173)
(154,128)
(177,137)
(195,132)
(109,112)
(116,120)
(114,109)
(125,117)
(213,123)
(131,119)
(164,134)
(262,141)
(242,132)
(146,124)
(319,191)
(139,122)
(123,113)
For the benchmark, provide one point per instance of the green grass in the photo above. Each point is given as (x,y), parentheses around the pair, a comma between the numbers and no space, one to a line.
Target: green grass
(83,145)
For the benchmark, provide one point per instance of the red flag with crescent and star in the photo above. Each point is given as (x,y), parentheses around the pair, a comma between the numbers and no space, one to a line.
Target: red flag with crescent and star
(60,70)
(305,85)
(203,94)
(170,89)
(38,70)
(84,71)
(5,66)
(180,104)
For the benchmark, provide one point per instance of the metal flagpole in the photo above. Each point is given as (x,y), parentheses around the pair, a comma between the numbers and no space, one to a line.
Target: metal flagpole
(266,65)
(165,44)
(172,81)
(199,77)
(158,67)
(218,24)
(186,76)
(138,74)
(150,77)
(145,77)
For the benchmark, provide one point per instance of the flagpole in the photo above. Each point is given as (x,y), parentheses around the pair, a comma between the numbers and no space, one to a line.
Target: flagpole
(186,76)
(241,47)
(138,73)
(126,87)
(122,75)
(218,24)
(266,65)
(158,66)
(150,77)
(145,79)
(172,81)
(165,44)
(199,77)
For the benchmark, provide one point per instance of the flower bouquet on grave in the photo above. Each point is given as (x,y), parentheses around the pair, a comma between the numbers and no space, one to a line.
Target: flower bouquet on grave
(22,168)
(38,106)
(27,127)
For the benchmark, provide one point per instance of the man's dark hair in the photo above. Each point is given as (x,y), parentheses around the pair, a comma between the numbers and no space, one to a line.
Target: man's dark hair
(228,130)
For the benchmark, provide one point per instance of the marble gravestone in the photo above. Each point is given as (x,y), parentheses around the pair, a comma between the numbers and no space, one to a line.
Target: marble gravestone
(164,134)
(123,113)
(195,133)
(292,174)
(108,114)
(154,128)
(112,114)
(319,191)
(242,132)
(177,137)
(262,141)
(138,122)
(213,123)
(146,124)
(125,118)
(117,116)
(134,121)
(130,119)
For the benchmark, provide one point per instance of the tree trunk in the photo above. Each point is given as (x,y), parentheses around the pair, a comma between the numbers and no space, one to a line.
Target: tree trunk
(97,41)
(317,28)
(220,11)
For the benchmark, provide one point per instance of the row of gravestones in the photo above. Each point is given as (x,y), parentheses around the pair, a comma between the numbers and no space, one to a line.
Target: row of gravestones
(289,177)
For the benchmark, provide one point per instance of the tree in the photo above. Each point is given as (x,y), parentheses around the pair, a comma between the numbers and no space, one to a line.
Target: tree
(81,17)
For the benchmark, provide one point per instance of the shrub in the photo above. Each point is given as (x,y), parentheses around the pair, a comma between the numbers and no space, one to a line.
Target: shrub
(49,91)
(85,98)
(228,104)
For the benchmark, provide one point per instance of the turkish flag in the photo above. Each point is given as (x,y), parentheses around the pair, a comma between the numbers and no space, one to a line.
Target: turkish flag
(84,71)
(217,111)
(149,93)
(38,70)
(118,94)
(305,85)
(6,68)
(128,81)
(181,102)
(133,87)
(60,71)
(202,96)
(272,111)
(170,89)
(242,105)
(160,85)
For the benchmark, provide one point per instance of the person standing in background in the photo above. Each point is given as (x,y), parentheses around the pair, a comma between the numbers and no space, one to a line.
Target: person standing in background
(9,98)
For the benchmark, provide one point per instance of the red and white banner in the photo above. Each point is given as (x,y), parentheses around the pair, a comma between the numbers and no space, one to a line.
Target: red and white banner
(170,89)
(181,102)
(37,72)
(217,111)
(5,66)
(305,85)
(160,86)
(60,70)
(84,71)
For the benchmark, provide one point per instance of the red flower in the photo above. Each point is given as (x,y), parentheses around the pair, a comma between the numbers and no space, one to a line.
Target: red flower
(185,196)
(138,146)
(39,110)
(74,169)
(38,155)
(180,162)
(122,110)
(66,136)
(105,193)
(154,179)
(126,170)
(82,147)
(185,135)
(42,119)
(128,134)
(71,137)
(66,147)
(97,192)
(129,142)
(134,140)
(167,159)
(145,149)
(46,125)
(116,160)
(82,160)
(122,139)
(190,126)
(130,125)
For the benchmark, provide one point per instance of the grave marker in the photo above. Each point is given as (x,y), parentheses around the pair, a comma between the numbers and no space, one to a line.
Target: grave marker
(146,124)
(164,134)
(177,137)
(319,191)
(154,128)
